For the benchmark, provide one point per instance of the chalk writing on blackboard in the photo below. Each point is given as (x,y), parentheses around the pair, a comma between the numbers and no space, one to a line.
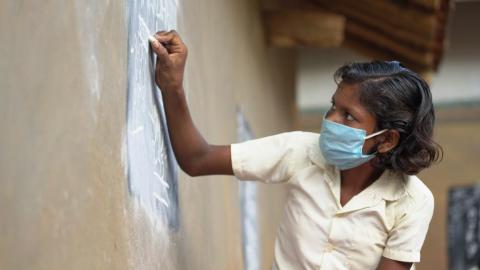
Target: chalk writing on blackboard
(152,169)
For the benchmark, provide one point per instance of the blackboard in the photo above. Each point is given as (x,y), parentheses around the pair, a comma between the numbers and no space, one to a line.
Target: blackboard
(152,169)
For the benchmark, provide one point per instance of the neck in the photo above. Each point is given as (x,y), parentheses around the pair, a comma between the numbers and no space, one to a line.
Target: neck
(356,179)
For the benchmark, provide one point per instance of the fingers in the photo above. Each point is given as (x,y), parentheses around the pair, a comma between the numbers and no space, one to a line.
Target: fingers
(171,40)
(168,37)
(159,50)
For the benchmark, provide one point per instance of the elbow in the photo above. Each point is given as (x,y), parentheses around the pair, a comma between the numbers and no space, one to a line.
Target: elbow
(191,172)
(189,168)
(193,164)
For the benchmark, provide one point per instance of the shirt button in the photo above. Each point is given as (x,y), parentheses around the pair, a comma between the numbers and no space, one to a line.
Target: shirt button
(328,247)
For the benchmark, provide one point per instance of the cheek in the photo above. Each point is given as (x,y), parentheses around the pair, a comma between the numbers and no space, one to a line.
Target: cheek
(368,146)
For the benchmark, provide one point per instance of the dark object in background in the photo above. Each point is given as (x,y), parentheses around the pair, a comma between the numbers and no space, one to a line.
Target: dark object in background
(463,228)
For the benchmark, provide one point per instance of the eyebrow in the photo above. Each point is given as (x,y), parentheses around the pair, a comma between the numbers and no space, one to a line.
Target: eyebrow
(350,109)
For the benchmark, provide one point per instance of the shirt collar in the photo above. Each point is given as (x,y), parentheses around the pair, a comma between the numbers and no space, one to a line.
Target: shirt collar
(390,186)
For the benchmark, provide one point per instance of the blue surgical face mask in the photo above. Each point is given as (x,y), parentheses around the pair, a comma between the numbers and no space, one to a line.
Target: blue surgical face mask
(342,145)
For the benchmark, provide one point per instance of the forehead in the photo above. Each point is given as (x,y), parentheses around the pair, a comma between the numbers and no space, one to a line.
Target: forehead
(347,96)
(347,92)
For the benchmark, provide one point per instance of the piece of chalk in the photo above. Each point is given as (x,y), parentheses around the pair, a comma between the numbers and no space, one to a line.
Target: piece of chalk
(152,39)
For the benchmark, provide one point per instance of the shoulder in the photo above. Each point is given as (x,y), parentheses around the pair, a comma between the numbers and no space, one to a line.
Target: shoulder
(300,142)
(301,138)
(417,191)
(301,146)
(308,144)
(418,200)
(274,158)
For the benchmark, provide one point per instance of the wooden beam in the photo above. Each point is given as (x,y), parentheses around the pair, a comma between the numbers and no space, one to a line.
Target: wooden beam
(432,5)
(384,42)
(405,29)
(303,28)
(377,53)
(386,12)
(402,34)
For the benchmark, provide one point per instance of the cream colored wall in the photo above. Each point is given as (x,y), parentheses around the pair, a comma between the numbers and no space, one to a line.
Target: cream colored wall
(240,71)
(459,167)
(63,193)
(64,202)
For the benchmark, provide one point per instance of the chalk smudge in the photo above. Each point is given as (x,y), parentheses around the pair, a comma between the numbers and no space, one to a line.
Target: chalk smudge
(89,16)
(248,205)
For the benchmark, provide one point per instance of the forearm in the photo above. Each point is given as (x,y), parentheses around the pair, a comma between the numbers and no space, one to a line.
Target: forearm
(194,155)
(188,144)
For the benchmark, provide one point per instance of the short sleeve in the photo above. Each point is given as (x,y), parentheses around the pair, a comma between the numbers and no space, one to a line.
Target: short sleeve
(408,234)
(270,159)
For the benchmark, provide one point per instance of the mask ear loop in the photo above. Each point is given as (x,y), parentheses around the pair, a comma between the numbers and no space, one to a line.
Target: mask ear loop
(375,134)
(374,150)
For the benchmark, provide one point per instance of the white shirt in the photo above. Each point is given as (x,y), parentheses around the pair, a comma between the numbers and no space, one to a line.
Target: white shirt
(389,218)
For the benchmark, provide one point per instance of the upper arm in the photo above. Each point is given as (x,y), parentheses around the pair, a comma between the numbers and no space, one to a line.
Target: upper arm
(389,264)
(271,159)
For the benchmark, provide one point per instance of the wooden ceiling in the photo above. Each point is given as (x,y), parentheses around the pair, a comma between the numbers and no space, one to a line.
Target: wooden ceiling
(411,31)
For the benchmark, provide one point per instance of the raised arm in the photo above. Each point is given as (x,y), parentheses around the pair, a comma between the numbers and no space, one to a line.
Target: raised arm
(194,155)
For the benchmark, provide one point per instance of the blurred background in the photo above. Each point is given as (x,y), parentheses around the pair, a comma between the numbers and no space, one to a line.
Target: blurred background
(76,91)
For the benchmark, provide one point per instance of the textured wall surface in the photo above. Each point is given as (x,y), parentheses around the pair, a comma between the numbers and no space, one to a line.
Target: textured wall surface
(62,109)
(65,200)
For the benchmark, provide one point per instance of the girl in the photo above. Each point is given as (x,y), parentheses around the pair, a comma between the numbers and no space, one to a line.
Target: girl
(354,202)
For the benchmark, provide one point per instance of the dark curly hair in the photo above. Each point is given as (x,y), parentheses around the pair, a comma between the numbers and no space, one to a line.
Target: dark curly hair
(400,99)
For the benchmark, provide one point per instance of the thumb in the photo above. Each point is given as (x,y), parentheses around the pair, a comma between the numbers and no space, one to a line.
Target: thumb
(159,50)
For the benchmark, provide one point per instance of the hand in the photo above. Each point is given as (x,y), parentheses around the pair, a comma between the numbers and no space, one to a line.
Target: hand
(171,57)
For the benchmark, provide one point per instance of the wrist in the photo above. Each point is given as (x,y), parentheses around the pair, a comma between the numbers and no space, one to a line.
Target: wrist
(174,91)
(169,84)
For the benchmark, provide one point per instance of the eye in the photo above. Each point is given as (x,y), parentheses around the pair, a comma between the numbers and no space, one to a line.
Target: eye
(350,117)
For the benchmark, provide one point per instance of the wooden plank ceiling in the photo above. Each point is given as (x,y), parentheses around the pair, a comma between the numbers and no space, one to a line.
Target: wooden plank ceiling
(411,31)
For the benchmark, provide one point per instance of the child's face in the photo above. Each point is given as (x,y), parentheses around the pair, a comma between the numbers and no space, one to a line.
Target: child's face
(347,110)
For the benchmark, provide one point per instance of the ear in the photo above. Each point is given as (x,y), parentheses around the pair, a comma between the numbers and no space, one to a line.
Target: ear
(388,140)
